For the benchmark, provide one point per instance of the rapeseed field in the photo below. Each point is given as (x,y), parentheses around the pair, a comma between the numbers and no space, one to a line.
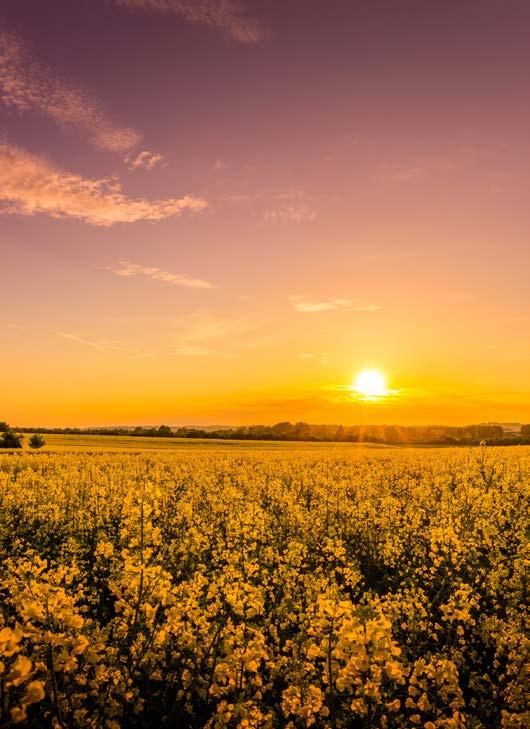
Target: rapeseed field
(383,589)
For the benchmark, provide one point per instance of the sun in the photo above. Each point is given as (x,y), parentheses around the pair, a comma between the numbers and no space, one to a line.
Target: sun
(370,384)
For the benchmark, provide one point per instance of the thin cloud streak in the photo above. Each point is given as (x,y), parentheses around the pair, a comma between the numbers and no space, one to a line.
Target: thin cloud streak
(225,15)
(30,185)
(301,304)
(204,327)
(27,85)
(321,357)
(290,214)
(99,346)
(200,333)
(128,269)
(145,160)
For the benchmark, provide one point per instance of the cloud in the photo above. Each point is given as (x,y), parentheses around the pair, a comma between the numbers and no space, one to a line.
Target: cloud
(30,185)
(103,346)
(202,333)
(301,304)
(127,269)
(205,327)
(144,160)
(296,213)
(276,205)
(367,307)
(27,85)
(322,357)
(226,15)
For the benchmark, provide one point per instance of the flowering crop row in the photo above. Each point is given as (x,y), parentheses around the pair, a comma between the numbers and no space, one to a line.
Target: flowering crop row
(280,589)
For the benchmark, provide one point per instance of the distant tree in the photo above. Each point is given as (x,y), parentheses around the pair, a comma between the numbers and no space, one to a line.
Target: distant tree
(525,431)
(4,427)
(36,441)
(11,439)
(283,428)
(164,431)
(391,434)
(482,432)
(302,430)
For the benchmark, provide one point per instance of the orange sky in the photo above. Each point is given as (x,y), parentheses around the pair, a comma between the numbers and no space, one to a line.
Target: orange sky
(222,217)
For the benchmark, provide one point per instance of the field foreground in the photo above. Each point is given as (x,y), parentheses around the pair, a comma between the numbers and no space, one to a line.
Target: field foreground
(249,588)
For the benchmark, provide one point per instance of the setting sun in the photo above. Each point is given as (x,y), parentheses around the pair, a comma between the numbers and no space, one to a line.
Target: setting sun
(370,384)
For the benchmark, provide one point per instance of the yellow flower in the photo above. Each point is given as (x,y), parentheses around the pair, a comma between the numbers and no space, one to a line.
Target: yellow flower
(34,692)
(19,671)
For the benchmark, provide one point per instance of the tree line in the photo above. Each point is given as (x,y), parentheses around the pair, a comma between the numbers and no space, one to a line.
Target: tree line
(301,431)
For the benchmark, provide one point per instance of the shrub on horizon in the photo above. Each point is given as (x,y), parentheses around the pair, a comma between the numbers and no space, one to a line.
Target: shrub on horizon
(36,441)
(11,439)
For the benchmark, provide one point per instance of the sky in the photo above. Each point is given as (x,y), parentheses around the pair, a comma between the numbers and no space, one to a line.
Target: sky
(221,211)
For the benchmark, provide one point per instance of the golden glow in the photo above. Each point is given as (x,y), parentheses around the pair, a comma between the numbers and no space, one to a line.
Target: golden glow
(370,384)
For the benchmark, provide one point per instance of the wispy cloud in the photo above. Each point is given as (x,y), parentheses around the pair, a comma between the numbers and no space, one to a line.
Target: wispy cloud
(306,306)
(321,357)
(127,269)
(27,85)
(144,161)
(104,345)
(295,213)
(31,185)
(205,327)
(202,333)
(367,307)
(100,346)
(277,205)
(226,15)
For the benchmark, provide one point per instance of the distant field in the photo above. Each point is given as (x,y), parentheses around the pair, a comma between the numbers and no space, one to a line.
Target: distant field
(121,443)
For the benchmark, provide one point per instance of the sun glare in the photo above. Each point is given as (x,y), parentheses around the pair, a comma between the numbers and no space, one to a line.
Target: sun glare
(370,384)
